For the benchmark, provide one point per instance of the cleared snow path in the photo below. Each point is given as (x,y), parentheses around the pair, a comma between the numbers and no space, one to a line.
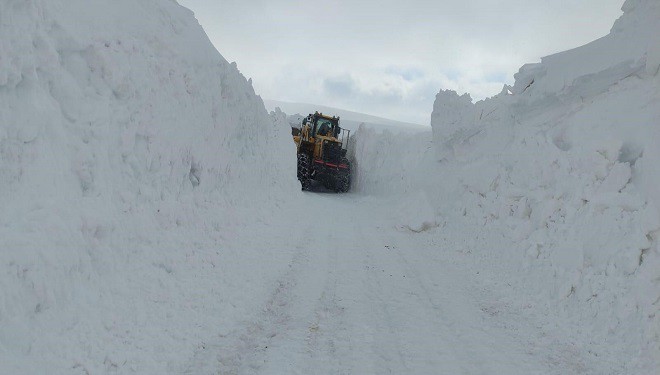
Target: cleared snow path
(361,297)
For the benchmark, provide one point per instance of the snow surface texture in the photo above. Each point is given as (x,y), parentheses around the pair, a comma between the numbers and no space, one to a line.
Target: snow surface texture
(146,226)
(126,145)
(554,183)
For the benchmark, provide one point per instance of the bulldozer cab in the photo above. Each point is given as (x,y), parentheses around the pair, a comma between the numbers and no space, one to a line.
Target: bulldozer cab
(326,127)
(325,134)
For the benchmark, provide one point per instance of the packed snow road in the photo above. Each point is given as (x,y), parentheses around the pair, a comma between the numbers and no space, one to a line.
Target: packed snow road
(360,296)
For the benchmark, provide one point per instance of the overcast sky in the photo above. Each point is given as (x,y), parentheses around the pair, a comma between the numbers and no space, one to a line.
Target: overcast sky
(389,58)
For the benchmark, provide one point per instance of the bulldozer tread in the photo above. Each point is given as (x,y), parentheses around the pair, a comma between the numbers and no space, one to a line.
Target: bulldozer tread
(343,183)
(304,171)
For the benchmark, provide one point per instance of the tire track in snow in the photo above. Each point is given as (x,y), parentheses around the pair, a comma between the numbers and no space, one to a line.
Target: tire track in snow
(390,346)
(371,332)
(321,342)
(238,352)
(421,342)
(336,332)
(463,358)
(325,341)
(462,319)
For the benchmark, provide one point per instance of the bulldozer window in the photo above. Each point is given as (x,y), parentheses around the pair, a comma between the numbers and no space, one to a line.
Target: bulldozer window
(323,127)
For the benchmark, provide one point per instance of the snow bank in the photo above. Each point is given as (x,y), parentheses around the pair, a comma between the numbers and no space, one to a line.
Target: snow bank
(552,184)
(131,152)
(384,161)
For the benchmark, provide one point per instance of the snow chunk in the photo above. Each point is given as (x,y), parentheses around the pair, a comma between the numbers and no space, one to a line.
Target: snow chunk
(526,77)
(451,113)
(417,213)
(618,178)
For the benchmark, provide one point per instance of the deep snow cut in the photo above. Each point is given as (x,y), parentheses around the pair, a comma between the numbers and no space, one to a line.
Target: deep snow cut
(148,203)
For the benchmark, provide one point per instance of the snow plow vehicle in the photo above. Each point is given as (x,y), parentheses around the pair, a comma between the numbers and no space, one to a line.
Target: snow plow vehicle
(322,146)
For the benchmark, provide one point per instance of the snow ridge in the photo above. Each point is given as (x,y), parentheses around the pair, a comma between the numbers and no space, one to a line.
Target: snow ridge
(553,183)
(129,149)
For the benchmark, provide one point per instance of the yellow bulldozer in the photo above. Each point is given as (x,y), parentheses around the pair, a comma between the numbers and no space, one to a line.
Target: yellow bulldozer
(322,146)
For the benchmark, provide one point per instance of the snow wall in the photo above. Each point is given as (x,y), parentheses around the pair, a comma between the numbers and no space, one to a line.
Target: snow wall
(552,183)
(127,146)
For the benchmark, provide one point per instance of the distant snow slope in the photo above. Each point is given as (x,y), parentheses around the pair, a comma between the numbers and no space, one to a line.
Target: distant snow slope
(130,150)
(552,187)
(350,120)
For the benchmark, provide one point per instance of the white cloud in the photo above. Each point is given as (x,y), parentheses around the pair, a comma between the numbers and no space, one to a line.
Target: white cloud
(390,57)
